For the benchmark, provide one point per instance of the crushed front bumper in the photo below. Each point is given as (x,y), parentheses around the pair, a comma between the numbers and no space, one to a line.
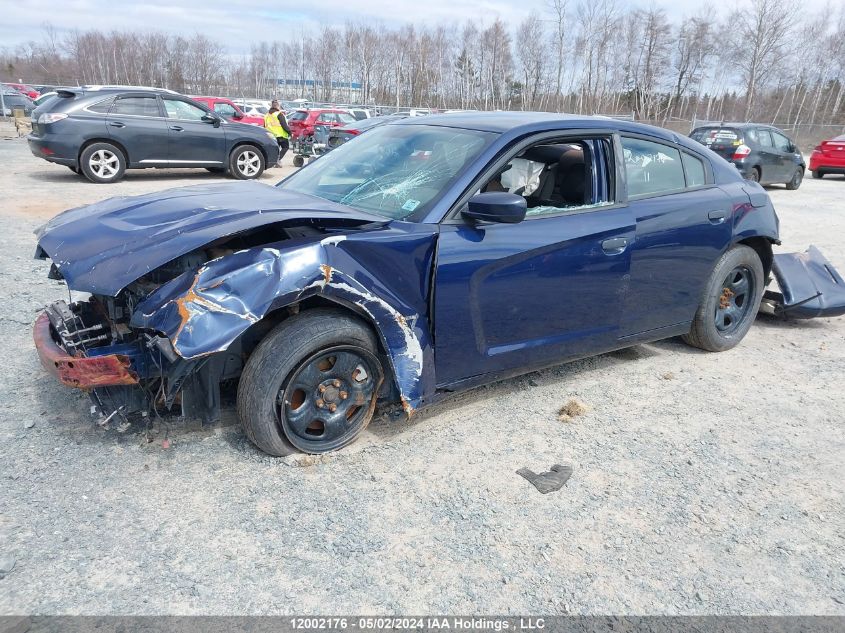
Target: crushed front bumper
(809,286)
(82,372)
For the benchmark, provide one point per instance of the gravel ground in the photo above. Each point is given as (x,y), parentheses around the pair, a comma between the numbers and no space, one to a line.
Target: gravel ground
(703,483)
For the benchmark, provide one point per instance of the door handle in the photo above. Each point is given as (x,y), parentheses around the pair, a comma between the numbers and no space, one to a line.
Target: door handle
(718,216)
(176,128)
(116,124)
(614,245)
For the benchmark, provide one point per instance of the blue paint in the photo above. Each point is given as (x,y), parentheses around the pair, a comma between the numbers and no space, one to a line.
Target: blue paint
(454,303)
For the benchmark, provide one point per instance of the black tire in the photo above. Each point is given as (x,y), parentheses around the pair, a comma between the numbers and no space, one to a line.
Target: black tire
(797,177)
(102,163)
(216,170)
(274,373)
(818,174)
(298,161)
(246,162)
(718,302)
(755,174)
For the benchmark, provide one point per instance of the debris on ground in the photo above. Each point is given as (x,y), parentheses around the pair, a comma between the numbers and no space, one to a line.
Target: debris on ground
(548,482)
(7,564)
(572,409)
(299,460)
(29,424)
(668,376)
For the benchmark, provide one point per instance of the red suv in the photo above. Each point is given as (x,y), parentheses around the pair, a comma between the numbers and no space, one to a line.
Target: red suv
(302,122)
(228,110)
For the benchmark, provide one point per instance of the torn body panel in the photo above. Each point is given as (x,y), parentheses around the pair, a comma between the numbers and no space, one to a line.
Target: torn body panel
(204,312)
(809,286)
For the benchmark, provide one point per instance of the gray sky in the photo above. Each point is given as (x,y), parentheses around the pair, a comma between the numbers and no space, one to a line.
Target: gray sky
(241,22)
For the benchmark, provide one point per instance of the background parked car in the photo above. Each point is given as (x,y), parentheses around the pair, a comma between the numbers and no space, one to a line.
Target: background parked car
(761,153)
(228,110)
(302,122)
(14,100)
(828,158)
(103,131)
(339,135)
(24,89)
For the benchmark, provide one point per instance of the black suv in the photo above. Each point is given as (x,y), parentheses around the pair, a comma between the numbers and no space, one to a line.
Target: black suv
(761,153)
(102,131)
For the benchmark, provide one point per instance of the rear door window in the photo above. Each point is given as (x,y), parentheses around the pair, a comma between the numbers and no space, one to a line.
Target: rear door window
(137,106)
(766,139)
(652,168)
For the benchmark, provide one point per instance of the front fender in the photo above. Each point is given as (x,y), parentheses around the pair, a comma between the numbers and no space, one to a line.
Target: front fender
(203,312)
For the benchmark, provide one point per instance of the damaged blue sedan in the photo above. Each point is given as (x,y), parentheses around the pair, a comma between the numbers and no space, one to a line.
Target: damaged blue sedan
(428,256)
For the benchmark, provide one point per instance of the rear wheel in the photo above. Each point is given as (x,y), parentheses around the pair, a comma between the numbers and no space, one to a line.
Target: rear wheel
(102,163)
(818,174)
(311,385)
(797,177)
(730,301)
(246,162)
(754,176)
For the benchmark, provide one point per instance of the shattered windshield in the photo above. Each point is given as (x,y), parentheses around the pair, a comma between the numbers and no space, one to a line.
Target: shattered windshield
(393,170)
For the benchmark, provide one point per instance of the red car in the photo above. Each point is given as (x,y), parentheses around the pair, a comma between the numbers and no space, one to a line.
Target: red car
(302,122)
(228,110)
(29,91)
(828,158)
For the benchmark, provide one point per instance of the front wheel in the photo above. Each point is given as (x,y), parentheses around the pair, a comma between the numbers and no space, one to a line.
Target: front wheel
(311,384)
(246,162)
(797,177)
(730,301)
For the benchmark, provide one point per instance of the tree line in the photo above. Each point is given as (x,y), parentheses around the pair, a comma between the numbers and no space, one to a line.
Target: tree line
(765,60)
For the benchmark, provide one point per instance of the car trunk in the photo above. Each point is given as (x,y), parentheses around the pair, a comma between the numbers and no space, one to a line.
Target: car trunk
(834,150)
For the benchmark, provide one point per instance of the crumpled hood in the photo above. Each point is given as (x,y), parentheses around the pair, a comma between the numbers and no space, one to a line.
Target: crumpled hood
(102,247)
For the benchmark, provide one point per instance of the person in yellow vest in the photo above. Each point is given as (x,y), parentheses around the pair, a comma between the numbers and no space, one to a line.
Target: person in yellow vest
(277,125)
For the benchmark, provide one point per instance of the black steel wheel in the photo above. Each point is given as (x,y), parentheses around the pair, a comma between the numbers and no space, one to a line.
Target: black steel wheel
(797,177)
(311,384)
(734,299)
(329,397)
(730,301)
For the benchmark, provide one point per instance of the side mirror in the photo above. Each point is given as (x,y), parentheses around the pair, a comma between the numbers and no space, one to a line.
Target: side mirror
(496,206)
(238,115)
(210,118)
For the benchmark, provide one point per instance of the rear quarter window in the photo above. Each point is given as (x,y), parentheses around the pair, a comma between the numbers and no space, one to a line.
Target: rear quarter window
(694,168)
(298,116)
(101,107)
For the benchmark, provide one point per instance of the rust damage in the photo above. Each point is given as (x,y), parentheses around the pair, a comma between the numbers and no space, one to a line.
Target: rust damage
(327,273)
(80,371)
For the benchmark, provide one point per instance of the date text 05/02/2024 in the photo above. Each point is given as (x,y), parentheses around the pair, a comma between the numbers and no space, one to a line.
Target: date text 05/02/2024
(410,623)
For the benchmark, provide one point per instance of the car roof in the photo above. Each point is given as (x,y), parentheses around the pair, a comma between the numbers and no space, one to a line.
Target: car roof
(738,126)
(502,122)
